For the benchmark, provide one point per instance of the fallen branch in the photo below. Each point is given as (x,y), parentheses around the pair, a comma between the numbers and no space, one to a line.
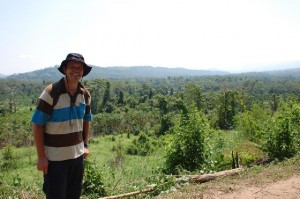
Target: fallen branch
(130,194)
(209,177)
(192,178)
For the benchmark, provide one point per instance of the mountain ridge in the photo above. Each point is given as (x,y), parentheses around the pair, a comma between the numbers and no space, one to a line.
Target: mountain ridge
(117,72)
(135,72)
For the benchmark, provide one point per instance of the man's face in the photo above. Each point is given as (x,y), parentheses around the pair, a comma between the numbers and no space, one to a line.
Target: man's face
(74,70)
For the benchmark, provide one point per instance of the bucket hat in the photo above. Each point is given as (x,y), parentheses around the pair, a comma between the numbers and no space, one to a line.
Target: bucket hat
(75,57)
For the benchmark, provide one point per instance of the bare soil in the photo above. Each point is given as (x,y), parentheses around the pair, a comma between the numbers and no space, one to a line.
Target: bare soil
(280,181)
(282,189)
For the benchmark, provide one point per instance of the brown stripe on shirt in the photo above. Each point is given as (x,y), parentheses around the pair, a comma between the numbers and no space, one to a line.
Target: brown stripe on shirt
(44,107)
(63,140)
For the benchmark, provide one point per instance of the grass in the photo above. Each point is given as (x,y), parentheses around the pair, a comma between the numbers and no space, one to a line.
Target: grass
(122,173)
(20,179)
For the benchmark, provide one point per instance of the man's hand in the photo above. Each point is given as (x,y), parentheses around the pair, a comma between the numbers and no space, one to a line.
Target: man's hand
(42,164)
(86,152)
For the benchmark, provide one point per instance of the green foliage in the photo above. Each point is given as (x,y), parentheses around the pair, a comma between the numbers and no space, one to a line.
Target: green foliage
(106,96)
(283,138)
(280,142)
(166,124)
(92,181)
(193,95)
(245,112)
(15,128)
(228,108)
(142,146)
(17,180)
(118,156)
(160,181)
(133,121)
(186,151)
(214,144)
(253,124)
(106,123)
(8,159)
(247,158)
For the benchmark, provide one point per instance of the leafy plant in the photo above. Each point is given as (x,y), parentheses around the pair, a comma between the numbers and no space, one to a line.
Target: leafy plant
(160,181)
(186,151)
(8,158)
(92,181)
(280,143)
(17,180)
(141,146)
(253,124)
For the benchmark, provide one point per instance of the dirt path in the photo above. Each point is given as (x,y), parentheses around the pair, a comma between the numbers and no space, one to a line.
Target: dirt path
(257,186)
(283,189)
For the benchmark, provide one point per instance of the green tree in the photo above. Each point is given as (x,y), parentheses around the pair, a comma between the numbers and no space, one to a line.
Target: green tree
(186,151)
(228,107)
(106,96)
(193,95)
(121,98)
(280,143)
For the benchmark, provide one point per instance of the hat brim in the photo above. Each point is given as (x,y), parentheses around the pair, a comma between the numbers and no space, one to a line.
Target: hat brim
(86,69)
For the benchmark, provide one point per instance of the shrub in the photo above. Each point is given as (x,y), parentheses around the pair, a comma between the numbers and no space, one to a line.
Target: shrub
(187,149)
(8,160)
(92,180)
(141,146)
(118,157)
(280,142)
(252,123)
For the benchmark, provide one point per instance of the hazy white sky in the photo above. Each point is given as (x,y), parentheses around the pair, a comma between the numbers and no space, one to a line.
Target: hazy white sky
(232,35)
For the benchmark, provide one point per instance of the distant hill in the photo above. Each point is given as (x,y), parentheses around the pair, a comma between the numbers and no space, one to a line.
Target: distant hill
(136,72)
(2,76)
(51,73)
(288,72)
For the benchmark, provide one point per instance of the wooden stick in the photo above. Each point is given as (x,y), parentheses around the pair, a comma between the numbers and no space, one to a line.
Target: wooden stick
(209,177)
(130,194)
(192,178)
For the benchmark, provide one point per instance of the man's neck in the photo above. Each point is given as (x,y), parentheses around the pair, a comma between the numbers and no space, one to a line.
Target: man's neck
(71,85)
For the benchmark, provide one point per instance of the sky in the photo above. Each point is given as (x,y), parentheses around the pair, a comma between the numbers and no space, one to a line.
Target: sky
(228,35)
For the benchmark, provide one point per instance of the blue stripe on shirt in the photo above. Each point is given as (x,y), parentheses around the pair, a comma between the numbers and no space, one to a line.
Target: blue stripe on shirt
(39,117)
(68,113)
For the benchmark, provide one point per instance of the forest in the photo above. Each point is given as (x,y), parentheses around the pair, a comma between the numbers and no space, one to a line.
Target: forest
(172,126)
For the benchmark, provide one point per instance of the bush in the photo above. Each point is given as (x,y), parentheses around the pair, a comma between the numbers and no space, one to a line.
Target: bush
(8,160)
(141,146)
(252,123)
(93,185)
(280,143)
(187,149)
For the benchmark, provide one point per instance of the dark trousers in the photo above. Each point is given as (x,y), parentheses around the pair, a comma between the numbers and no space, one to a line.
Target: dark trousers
(64,179)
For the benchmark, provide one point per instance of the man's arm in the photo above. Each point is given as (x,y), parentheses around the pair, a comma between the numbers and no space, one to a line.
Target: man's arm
(86,130)
(38,134)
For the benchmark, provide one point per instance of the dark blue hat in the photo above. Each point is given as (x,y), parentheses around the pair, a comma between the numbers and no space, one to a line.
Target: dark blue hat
(75,57)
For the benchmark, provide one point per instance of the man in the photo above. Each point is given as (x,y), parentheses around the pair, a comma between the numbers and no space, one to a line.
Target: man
(61,130)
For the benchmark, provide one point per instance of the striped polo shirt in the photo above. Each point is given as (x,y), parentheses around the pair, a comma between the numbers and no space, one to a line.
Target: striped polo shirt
(63,123)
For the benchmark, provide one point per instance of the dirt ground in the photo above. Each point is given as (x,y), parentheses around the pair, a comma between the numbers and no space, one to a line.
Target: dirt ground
(283,189)
(257,186)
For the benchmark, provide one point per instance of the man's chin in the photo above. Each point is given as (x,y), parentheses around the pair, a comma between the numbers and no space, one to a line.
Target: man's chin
(75,77)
